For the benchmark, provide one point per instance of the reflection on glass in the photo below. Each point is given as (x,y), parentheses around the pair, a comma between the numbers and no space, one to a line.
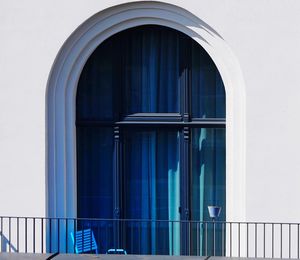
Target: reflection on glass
(152,190)
(151,70)
(208,183)
(208,98)
(97,84)
(95,182)
(94,172)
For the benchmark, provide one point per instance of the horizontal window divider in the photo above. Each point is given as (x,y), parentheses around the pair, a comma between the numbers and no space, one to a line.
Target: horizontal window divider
(172,117)
(211,124)
(203,123)
(196,119)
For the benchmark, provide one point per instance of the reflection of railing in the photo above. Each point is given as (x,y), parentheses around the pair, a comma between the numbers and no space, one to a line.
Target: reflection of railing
(235,239)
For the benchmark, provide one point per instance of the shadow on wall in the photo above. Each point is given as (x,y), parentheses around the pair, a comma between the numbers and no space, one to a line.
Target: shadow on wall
(5,245)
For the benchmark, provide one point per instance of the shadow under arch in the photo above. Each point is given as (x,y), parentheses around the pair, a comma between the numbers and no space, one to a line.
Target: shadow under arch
(61,95)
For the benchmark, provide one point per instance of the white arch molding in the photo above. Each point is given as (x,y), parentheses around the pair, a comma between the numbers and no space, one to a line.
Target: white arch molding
(61,96)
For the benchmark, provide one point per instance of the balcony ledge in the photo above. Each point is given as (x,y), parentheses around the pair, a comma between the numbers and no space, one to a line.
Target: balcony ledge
(24,256)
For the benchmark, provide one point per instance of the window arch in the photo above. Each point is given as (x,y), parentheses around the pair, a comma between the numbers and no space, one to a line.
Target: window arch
(62,83)
(150,121)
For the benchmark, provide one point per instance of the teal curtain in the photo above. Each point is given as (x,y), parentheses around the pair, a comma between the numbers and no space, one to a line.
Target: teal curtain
(152,191)
(208,185)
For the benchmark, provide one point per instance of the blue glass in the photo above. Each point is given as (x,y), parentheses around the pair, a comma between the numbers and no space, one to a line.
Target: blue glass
(208,92)
(152,190)
(208,183)
(94,172)
(151,70)
(144,70)
(147,69)
(96,97)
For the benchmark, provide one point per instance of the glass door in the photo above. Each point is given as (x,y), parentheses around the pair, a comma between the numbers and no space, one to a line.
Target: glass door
(208,188)
(151,194)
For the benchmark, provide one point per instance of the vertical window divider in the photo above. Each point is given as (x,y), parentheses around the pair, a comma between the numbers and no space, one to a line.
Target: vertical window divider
(116,184)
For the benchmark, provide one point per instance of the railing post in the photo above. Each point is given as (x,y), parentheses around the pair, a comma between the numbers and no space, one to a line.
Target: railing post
(247,238)
(255,240)
(33,231)
(214,237)
(42,235)
(272,240)
(230,227)
(1,233)
(172,232)
(289,240)
(9,233)
(298,242)
(50,234)
(66,222)
(58,235)
(280,240)
(264,239)
(74,232)
(223,239)
(205,229)
(239,239)
(25,235)
(18,249)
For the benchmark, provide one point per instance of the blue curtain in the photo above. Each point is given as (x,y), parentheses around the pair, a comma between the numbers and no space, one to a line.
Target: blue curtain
(152,191)
(96,93)
(95,182)
(95,150)
(151,71)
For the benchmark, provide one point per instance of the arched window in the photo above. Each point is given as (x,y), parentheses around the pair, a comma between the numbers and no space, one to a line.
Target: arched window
(150,131)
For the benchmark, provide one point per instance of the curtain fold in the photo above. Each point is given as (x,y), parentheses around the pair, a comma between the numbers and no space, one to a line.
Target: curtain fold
(151,69)
(208,182)
(152,189)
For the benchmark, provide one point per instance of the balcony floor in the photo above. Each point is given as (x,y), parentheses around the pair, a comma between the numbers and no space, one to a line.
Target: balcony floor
(19,256)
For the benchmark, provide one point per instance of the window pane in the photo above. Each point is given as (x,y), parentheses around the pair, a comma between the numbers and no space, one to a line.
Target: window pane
(151,70)
(96,98)
(94,172)
(208,180)
(152,189)
(208,92)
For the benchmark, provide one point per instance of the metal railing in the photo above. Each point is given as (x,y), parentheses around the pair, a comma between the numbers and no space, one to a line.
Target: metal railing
(153,237)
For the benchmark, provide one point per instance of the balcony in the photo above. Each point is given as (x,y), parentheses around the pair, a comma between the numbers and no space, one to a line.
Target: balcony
(40,235)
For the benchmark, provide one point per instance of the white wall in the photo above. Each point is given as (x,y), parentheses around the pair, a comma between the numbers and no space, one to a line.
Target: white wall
(263,34)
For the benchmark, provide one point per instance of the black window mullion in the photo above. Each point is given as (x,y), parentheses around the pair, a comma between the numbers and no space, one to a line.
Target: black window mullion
(186,79)
(117,162)
(185,188)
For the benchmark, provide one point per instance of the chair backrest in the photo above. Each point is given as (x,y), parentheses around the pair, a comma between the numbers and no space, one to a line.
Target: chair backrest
(84,241)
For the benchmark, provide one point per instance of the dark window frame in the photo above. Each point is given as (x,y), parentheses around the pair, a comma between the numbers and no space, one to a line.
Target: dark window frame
(182,121)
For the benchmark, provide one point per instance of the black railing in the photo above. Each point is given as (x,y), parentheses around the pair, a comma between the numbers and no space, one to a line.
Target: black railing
(153,237)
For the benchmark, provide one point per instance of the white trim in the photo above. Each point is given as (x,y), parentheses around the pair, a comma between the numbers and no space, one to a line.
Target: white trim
(61,93)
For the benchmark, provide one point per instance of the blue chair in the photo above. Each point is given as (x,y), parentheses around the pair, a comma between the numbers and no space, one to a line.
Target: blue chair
(116,251)
(84,241)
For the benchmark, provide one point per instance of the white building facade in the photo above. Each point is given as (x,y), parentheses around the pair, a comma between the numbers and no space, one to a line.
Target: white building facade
(254,44)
